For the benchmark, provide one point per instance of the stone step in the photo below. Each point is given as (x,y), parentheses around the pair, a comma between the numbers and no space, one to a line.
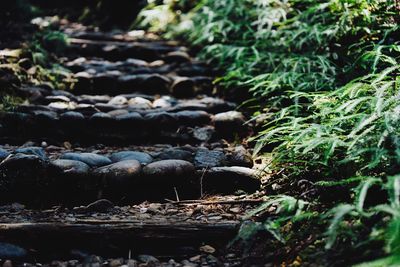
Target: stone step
(181,66)
(130,88)
(122,126)
(127,118)
(120,50)
(164,230)
(114,36)
(44,99)
(175,239)
(82,32)
(103,77)
(115,82)
(32,176)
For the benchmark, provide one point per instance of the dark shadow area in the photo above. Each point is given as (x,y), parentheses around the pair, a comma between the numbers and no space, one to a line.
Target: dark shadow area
(106,14)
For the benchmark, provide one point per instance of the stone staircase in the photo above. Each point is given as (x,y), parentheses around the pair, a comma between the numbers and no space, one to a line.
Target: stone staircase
(142,155)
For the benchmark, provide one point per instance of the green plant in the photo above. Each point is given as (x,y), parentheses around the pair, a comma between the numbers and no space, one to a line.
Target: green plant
(388,215)
(325,76)
(283,209)
(47,69)
(9,103)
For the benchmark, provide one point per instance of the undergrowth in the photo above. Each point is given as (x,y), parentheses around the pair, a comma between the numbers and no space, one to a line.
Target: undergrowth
(325,77)
(27,58)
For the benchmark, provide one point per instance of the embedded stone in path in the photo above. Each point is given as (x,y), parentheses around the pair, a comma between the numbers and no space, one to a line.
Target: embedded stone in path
(161,119)
(120,170)
(163,102)
(140,103)
(72,116)
(117,112)
(209,158)
(72,166)
(91,159)
(241,157)
(204,134)
(229,121)
(118,100)
(193,117)
(101,119)
(131,119)
(169,168)
(183,87)
(119,176)
(38,151)
(45,117)
(176,153)
(150,83)
(142,157)
(11,252)
(177,57)
(3,154)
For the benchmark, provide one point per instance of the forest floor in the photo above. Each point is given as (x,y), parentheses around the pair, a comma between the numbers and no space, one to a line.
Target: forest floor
(142,163)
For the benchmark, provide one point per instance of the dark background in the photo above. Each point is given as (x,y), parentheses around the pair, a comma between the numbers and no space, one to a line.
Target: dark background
(102,13)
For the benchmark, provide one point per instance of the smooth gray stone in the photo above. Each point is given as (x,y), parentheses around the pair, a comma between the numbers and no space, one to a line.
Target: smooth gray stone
(241,157)
(46,115)
(119,173)
(140,103)
(63,93)
(23,161)
(86,109)
(169,168)
(229,121)
(12,252)
(104,107)
(34,150)
(117,112)
(148,259)
(142,157)
(204,134)
(130,119)
(72,116)
(91,159)
(100,116)
(164,102)
(183,87)
(151,83)
(72,166)
(57,98)
(205,158)
(217,105)
(102,122)
(177,57)
(161,119)
(118,100)
(97,98)
(175,153)
(4,154)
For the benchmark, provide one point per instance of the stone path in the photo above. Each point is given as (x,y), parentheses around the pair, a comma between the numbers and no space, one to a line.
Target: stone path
(105,167)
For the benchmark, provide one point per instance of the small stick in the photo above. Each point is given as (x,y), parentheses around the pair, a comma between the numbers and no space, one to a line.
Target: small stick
(201,181)
(211,202)
(176,194)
